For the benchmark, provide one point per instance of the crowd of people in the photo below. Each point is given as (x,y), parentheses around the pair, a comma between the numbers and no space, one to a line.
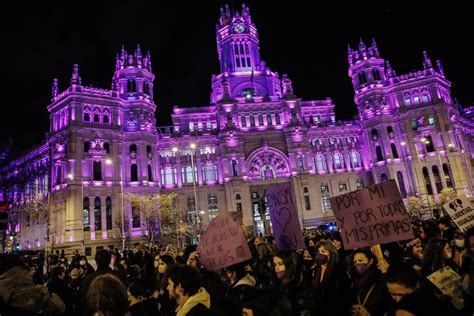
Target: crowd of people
(322,279)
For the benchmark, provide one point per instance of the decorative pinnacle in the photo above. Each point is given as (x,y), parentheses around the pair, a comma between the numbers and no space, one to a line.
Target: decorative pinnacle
(362,46)
(426,61)
(138,56)
(390,72)
(374,47)
(55,89)
(440,67)
(76,78)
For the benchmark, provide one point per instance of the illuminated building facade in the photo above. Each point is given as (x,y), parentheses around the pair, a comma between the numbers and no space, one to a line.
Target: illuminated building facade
(254,134)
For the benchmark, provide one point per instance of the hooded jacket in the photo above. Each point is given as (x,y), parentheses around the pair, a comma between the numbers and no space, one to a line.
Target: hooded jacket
(200,298)
(18,291)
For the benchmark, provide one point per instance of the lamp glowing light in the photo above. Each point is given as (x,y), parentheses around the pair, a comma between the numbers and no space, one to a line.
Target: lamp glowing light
(192,145)
(70,176)
(423,139)
(451,145)
(403,143)
(108,161)
(174,149)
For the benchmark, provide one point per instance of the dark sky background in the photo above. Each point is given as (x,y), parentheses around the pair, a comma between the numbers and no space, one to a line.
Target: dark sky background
(305,39)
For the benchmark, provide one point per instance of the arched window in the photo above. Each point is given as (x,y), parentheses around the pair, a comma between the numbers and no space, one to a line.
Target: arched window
(87,117)
(338,161)
(169,175)
(269,119)
(401,184)
(320,162)
(383,177)
(447,175)
(87,146)
(135,215)
(376,74)
(394,150)
(355,159)
(85,214)
(429,144)
(390,132)
(437,178)
(378,152)
(300,162)
(243,120)
(407,99)
(146,88)
(96,118)
(150,173)
(108,212)
(425,96)
(97,168)
(105,119)
(235,172)
(416,97)
(133,148)
(277,119)
(362,78)
(131,85)
(134,172)
(375,135)
(97,214)
(426,176)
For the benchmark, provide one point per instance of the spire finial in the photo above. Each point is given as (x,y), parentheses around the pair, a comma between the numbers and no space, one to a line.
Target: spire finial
(362,46)
(440,67)
(374,47)
(426,61)
(76,78)
(55,89)
(287,85)
(148,57)
(390,72)
(138,56)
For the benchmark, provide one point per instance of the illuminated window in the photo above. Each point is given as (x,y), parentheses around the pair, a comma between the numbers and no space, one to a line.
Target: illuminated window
(97,214)
(260,119)
(355,159)
(191,127)
(300,162)
(432,121)
(338,161)
(320,162)
(269,119)
(85,213)
(407,101)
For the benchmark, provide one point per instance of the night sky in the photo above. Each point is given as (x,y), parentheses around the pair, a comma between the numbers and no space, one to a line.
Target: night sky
(305,39)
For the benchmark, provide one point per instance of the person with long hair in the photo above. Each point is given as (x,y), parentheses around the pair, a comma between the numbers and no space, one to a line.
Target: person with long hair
(330,283)
(370,294)
(438,253)
(288,270)
(163,264)
(414,254)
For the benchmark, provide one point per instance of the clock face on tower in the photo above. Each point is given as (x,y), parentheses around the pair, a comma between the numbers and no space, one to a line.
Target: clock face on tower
(239,28)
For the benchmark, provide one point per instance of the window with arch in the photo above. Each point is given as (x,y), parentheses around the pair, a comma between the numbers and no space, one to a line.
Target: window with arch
(325,197)
(108,213)
(378,153)
(131,85)
(429,145)
(390,133)
(97,214)
(426,177)
(277,119)
(187,174)
(338,161)
(425,96)
(375,134)
(133,148)
(150,173)
(134,172)
(401,184)
(437,178)
(320,162)
(235,171)
(252,119)
(85,214)
(300,162)
(447,175)
(135,215)
(376,74)
(383,177)
(416,97)
(362,78)
(355,159)
(243,121)
(407,99)
(209,172)
(105,119)
(96,118)
(394,151)
(269,119)
(86,117)
(97,170)
(146,88)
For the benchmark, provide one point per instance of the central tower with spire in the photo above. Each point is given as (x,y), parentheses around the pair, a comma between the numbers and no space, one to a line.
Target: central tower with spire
(239,57)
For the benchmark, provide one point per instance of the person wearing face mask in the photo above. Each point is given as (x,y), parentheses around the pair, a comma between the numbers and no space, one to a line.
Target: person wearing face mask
(288,270)
(83,262)
(308,263)
(75,286)
(414,254)
(458,247)
(330,283)
(369,295)
(163,264)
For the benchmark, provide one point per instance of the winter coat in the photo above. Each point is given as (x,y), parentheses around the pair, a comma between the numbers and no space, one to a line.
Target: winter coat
(198,304)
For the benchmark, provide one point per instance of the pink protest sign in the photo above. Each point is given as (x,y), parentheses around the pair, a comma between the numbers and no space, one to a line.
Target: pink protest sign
(372,215)
(223,243)
(284,217)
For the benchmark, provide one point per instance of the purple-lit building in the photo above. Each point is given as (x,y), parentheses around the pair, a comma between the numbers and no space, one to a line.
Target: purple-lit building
(254,134)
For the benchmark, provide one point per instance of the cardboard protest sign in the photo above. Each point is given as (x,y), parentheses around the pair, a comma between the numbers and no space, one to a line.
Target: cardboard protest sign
(449,282)
(461,211)
(284,217)
(237,216)
(223,243)
(372,215)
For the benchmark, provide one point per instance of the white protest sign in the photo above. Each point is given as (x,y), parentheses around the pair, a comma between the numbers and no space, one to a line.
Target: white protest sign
(223,243)
(461,211)
(449,282)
